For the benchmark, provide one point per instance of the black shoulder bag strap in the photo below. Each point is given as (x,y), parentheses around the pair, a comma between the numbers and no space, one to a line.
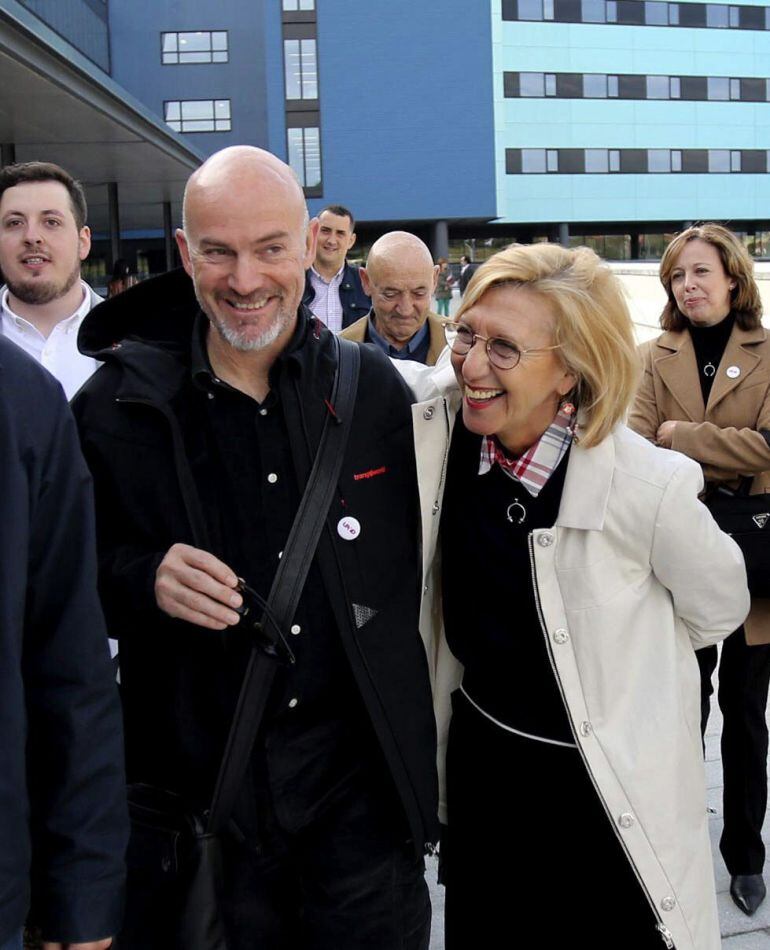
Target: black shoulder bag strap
(287,586)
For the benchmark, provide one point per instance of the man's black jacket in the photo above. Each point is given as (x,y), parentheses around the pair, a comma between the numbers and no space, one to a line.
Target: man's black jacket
(355,303)
(63,818)
(136,429)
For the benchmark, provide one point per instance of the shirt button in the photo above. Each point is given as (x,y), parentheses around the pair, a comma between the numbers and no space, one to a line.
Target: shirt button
(586,728)
(560,636)
(626,820)
(293,703)
(295,628)
(272,478)
(280,555)
(668,903)
(263,412)
(210,395)
(545,540)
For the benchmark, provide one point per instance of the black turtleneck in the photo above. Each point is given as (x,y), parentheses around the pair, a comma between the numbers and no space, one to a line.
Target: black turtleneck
(710,343)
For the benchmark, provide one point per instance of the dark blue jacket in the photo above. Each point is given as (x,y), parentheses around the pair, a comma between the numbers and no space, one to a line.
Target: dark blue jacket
(63,822)
(355,303)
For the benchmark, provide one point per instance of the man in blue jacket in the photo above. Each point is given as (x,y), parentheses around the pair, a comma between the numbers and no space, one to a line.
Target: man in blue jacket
(63,823)
(333,290)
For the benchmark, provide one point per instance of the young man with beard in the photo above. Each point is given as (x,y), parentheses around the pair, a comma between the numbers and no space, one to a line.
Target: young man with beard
(43,239)
(200,431)
(333,288)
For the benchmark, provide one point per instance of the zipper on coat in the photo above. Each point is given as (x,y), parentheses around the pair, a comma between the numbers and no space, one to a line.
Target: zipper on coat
(664,932)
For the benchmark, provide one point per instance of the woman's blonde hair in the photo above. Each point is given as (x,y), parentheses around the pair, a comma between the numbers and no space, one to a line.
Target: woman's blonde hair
(738,265)
(593,325)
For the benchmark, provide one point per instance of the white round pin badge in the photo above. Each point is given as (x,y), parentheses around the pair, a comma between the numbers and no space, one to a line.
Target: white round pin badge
(348,528)
(733,372)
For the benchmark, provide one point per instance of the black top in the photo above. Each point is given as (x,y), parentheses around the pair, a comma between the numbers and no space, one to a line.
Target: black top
(710,343)
(315,725)
(490,610)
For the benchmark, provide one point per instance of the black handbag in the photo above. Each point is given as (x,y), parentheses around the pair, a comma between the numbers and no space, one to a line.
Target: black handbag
(746,518)
(174,854)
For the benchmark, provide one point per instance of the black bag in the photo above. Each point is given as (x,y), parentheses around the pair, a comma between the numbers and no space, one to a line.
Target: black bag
(174,854)
(174,866)
(746,518)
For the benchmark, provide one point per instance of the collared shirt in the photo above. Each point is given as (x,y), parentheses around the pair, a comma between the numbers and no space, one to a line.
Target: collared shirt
(58,353)
(315,733)
(540,461)
(415,349)
(326,304)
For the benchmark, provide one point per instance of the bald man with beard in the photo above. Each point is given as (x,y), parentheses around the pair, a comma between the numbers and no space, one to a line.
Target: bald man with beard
(200,431)
(400,277)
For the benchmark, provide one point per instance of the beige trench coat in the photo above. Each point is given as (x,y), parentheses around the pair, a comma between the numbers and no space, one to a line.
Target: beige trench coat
(632,576)
(726,435)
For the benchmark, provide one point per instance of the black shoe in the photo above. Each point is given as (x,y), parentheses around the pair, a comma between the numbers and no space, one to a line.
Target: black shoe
(748,891)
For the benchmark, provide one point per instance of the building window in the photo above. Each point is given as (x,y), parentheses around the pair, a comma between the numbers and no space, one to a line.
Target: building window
(718,88)
(531,84)
(552,160)
(626,86)
(305,156)
(636,161)
(291,5)
(597,161)
(202,46)
(301,69)
(594,86)
(717,16)
(533,160)
(655,13)
(198,115)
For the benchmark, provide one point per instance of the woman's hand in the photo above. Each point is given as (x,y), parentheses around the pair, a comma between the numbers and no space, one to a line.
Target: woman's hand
(665,434)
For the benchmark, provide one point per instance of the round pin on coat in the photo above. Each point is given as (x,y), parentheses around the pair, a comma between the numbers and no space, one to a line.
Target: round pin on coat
(733,372)
(348,528)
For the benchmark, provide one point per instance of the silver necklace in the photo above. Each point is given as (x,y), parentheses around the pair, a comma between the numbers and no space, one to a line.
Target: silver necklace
(516,513)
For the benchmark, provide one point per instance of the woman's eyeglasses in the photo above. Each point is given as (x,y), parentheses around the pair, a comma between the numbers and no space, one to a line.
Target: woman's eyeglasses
(504,354)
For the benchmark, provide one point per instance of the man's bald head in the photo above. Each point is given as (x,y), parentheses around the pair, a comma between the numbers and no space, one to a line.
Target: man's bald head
(235,168)
(400,277)
(246,244)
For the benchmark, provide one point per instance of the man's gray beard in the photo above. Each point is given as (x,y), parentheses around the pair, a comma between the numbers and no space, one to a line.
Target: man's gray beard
(38,292)
(242,340)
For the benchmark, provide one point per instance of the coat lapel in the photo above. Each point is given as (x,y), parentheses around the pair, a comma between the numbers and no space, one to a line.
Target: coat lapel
(678,371)
(587,486)
(737,355)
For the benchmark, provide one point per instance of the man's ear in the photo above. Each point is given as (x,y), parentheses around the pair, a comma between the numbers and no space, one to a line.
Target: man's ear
(84,242)
(311,241)
(365,282)
(351,241)
(184,250)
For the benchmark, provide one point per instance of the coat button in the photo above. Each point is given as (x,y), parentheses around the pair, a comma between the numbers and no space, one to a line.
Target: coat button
(545,540)
(560,636)
(626,820)
(428,414)
(436,507)
(668,903)
(586,728)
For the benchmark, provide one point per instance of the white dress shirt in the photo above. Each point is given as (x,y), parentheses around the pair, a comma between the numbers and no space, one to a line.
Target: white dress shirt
(58,353)
(326,305)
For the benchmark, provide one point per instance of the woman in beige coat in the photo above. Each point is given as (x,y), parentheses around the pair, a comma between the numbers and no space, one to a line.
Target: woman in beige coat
(573,574)
(706,393)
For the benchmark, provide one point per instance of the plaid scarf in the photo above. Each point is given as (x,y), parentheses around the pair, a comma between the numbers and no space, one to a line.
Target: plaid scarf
(539,462)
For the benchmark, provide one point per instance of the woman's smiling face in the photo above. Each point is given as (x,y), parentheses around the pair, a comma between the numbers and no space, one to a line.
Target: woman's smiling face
(516,405)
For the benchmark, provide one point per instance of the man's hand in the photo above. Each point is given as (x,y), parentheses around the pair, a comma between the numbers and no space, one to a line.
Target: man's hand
(93,945)
(193,585)
(665,434)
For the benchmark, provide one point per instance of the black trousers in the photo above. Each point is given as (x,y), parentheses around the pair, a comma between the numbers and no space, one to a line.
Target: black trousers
(348,880)
(744,674)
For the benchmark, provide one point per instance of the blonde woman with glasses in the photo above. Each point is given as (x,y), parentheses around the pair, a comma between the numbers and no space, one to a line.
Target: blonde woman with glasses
(570,574)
